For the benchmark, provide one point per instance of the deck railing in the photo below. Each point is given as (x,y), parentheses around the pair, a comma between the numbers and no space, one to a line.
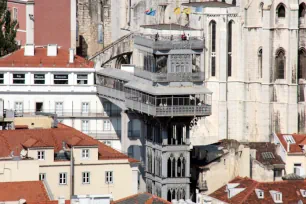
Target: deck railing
(169,77)
(69,113)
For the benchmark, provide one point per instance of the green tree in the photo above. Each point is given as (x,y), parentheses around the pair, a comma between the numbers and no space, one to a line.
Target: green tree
(9,30)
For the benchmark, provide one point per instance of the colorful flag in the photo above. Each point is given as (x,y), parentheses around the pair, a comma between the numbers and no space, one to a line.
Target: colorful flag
(177,11)
(187,10)
(150,12)
(199,9)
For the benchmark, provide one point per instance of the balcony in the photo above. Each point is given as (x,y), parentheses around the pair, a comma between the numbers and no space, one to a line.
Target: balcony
(165,111)
(168,42)
(136,93)
(111,92)
(103,135)
(71,113)
(169,77)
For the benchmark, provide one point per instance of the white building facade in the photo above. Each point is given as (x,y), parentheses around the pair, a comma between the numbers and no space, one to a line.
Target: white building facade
(68,91)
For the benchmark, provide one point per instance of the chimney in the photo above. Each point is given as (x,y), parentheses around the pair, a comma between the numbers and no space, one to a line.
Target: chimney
(61,200)
(71,55)
(29,50)
(52,50)
(288,146)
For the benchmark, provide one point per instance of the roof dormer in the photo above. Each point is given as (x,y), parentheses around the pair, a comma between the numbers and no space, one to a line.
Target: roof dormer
(259,193)
(303,193)
(277,196)
(232,190)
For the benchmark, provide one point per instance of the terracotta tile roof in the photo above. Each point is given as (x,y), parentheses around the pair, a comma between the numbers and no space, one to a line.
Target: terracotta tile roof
(16,140)
(31,191)
(40,59)
(262,151)
(141,198)
(300,141)
(290,191)
(49,202)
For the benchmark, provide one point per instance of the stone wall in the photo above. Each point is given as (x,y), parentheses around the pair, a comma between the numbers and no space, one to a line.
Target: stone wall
(89,16)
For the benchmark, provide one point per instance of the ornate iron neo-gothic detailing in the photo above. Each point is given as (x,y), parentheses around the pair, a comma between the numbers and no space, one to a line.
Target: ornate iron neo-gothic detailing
(180,63)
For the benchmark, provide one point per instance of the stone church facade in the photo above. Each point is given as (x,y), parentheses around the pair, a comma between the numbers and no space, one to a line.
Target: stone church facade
(254,62)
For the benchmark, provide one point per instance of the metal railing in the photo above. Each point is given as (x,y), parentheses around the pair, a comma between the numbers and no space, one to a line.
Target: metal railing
(169,77)
(178,110)
(111,93)
(70,113)
(168,43)
(103,135)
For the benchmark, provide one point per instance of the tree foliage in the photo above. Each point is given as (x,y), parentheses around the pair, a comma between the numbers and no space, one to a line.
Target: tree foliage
(9,30)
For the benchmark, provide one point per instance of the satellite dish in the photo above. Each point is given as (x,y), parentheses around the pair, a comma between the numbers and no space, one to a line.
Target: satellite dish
(23,153)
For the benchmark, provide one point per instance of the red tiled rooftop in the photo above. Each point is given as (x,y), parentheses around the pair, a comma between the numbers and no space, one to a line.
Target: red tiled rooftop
(300,141)
(266,147)
(290,191)
(40,59)
(16,140)
(145,198)
(31,191)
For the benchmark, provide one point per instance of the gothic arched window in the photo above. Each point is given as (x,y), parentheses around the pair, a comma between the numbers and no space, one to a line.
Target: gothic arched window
(260,62)
(179,167)
(261,9)
(229,49)
(173,167)
(302,64)
(212,26)
(281,11)
(169,164)
(280,62)
(302,10)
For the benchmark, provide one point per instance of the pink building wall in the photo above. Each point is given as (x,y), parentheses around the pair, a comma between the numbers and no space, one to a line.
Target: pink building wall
(52,22)
(21,32)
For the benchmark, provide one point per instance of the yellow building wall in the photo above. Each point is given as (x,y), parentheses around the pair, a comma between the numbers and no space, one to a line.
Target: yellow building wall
(22,170)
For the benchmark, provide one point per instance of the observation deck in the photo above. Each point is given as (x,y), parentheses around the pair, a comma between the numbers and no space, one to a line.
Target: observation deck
(146,96)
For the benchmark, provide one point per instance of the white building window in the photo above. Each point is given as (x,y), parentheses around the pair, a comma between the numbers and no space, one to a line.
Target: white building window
(109,177)
(39,79)
(85,153)
(85,126)
(85,107)
(278,197)
(100,34)
(86,178)
(19,107)
(259,193)
(63,178)
(60,79)
(107,142)
(106,125)
(15,14)
(59,108)
(41,155)
(82,79)
(42,176)
(297,169)
(1,78)
(18,78)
